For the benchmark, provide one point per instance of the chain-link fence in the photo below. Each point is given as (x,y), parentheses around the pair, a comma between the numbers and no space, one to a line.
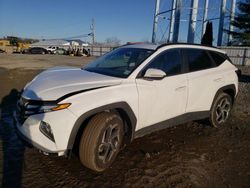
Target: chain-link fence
(238,55)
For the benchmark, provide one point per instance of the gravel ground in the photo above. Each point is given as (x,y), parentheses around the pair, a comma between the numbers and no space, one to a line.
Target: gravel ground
(189,155)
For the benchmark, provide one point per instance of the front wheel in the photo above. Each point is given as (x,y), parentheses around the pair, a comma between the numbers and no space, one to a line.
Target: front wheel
(101,141)
(221,109)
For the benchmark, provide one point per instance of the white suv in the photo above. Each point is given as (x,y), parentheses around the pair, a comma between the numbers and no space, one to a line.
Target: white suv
(51,49)
(127,93)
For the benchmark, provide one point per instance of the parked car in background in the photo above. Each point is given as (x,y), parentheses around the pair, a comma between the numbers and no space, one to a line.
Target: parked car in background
(36,50)
(60,51)
(51,49)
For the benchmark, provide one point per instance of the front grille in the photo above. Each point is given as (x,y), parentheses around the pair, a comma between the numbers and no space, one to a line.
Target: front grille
(26,108)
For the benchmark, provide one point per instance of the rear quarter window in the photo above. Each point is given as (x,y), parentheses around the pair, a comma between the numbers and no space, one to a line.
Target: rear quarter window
(198,59)
(218,58)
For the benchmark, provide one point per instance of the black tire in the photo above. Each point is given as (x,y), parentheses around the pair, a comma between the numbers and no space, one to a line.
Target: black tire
(220,110)
(98,149)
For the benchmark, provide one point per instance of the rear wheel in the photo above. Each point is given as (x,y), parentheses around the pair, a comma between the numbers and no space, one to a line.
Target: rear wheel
(101,141)
(221,109)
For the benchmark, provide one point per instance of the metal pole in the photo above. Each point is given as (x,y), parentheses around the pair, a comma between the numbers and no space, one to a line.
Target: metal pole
(171,22)
(176,21)
(192,21)
(231,27)
(221,24)
(92,28)
(204,17)
(157,8)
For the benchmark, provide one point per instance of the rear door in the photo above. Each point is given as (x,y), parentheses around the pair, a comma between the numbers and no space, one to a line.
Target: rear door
(163,99)
(204,79)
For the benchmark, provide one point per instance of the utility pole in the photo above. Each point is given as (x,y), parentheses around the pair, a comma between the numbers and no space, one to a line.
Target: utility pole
(192,21)
(221,23)
(92,28)
(156,17)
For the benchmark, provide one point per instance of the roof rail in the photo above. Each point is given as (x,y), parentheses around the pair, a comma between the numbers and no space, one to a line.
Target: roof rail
(192,44)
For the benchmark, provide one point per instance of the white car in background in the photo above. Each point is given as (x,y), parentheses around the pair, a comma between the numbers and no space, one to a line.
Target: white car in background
(51,49)
(127,93)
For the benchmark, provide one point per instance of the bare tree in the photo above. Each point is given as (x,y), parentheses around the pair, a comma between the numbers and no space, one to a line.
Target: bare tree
(113,41)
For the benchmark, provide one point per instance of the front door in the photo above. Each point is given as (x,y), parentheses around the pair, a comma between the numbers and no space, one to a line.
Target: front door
(163,99)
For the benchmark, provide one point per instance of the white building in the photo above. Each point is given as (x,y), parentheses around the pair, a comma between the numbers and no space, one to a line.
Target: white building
(47,43)
(60,43)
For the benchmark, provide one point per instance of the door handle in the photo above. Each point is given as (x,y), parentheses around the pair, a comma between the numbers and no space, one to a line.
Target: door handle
(217,79)
(180,88)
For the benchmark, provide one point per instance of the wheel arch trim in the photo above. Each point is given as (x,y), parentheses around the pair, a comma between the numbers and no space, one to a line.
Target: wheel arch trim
(223,89)
(132,120)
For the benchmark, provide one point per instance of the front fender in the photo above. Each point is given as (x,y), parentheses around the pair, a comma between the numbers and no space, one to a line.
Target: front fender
(131,119)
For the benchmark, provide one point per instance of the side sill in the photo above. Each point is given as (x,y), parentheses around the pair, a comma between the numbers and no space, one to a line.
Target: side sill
(172,122)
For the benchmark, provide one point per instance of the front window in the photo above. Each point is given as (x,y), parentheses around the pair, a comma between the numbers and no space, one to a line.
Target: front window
(168,61)
(120,62)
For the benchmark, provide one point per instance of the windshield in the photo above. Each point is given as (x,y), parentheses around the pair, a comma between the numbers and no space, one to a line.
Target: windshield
(120,62)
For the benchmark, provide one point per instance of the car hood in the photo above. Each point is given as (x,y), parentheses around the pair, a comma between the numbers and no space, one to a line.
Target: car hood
(57,82)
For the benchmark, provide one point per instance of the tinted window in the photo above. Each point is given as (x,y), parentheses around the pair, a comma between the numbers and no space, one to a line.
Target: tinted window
(217,57)
(198,59)
(169,62)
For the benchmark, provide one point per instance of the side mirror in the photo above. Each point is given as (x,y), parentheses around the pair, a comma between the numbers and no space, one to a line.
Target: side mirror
(154,74)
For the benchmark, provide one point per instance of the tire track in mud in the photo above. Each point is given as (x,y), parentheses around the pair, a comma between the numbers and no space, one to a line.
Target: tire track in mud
(175,174)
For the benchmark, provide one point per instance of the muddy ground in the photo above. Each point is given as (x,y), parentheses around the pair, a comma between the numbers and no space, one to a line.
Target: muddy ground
(189,155)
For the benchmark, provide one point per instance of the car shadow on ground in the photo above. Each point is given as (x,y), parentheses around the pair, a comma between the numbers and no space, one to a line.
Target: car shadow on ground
(12,147)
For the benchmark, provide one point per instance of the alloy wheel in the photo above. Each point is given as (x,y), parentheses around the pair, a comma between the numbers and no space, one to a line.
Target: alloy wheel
(222,110)
(110,143)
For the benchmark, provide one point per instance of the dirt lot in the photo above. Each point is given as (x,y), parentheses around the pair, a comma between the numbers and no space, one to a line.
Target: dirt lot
(190,155)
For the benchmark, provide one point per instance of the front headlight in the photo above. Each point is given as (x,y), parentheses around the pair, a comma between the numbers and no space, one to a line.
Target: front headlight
(30,107)
(54,107)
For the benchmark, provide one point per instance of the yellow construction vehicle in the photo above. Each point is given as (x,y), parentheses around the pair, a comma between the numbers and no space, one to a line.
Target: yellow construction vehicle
(21,46)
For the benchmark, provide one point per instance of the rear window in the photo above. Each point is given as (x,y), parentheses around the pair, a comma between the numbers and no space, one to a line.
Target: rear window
(198,59)
(218,58)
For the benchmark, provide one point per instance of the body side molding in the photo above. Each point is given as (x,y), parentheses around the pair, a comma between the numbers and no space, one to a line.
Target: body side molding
(172,122)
